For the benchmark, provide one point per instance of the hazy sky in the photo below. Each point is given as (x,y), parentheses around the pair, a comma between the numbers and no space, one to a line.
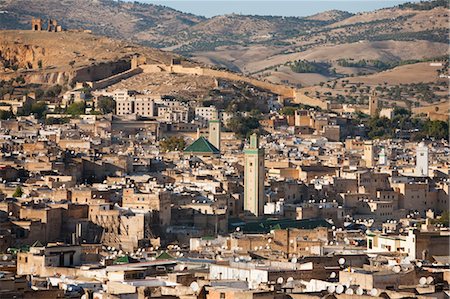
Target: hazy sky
(298,8)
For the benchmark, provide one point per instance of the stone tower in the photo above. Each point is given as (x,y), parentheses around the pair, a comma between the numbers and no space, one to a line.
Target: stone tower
(254,178)
(422,159)
(373,104)
(214,130)
(36,24)
(369,153)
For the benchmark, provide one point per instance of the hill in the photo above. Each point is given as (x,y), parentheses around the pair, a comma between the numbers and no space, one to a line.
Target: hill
(250,44)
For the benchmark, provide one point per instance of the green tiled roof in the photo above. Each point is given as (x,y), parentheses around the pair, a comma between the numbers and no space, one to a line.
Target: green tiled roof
(267,225)
(126,259)
(201,146)
(164,256)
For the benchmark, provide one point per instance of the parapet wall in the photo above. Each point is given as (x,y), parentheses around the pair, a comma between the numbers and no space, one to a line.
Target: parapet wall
(115,78)
(301,98)
(283,91)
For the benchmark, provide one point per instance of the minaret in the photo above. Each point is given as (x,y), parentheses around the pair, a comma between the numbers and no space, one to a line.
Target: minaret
(254,178)
(382,159)
(369,153)
(214,130)
(373,104)
(422,159)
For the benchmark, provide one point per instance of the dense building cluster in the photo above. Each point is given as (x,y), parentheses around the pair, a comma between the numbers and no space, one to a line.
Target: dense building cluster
(132,194)
(95,207)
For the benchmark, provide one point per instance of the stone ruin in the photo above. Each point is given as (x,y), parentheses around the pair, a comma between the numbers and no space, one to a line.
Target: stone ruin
(37,24)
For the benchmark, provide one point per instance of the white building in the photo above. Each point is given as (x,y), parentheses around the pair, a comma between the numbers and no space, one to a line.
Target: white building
(422,159)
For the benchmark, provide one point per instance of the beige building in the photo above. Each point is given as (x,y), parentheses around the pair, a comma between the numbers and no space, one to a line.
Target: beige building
(40,258)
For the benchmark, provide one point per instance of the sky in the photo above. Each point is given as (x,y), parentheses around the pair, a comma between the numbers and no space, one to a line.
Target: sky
(297,8)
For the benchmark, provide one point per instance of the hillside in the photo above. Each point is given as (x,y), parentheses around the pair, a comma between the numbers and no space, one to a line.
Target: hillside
(252,44)
(46,57)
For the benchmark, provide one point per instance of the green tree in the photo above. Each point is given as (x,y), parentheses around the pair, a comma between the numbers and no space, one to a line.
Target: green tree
(106,104)
(76,108)
(38,109)
(39,64)
(6,114)
(380,128)
(18,192)
(172,143)
(243,126)
(288,110)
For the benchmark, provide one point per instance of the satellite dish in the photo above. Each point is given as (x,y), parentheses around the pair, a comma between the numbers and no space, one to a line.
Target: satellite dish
(5,258)
(194,286)
(359,291)
(294,260)
(422,281)
(349,292)
(373,292)
(333,275)
(331,289)
(419,264)
(429,279)
(339,289)
(396,269)
(280,280)
(341,261)
(290,279)
(236,259)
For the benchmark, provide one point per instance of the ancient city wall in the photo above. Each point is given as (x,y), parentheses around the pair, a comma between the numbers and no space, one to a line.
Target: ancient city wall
(301,98)
(115,78)
(101,71)
(284,91)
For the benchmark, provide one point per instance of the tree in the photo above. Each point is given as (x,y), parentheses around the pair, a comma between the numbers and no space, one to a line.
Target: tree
(243,126)
(18,192)
(288,110)
(53,91)
(106,104)
(76,109)
(6,114)
(39,64)
(38,109)
(173,143)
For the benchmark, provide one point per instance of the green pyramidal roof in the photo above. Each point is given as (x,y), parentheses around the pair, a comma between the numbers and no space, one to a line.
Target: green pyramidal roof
(164,256)
(202,146)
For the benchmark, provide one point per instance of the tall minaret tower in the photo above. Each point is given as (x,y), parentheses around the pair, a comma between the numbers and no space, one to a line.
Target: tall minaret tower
(422,159)
(369,154)
(254,178)
(373,104)
(214,130)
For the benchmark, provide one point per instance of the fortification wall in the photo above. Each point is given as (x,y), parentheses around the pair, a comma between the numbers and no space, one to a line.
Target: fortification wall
(115,78)
(301,98)
(101,71)
(281,90)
